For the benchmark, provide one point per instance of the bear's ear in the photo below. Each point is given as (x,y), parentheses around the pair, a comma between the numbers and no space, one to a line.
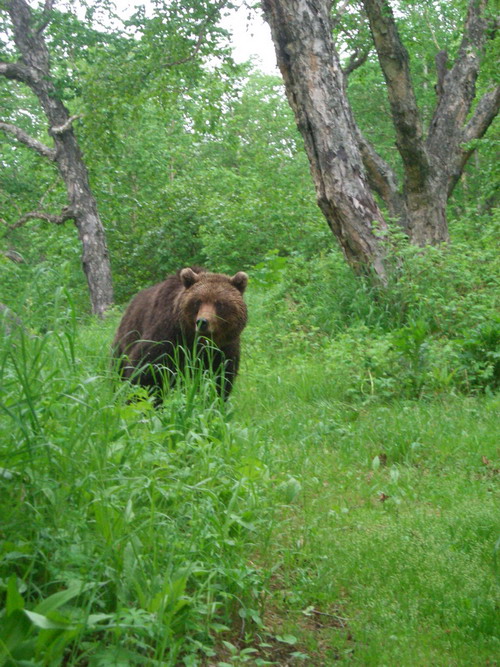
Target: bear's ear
(239,280)
(188,277)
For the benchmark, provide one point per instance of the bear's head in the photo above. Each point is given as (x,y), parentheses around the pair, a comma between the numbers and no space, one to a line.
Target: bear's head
(211,304)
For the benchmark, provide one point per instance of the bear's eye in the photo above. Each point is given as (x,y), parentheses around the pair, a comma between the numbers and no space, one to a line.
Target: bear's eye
(221,308)
(196,305)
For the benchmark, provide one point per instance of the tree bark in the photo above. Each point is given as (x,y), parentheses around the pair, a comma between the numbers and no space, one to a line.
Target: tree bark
(33,69)
(314,84)
(433,165)
(425,202)
(343,162)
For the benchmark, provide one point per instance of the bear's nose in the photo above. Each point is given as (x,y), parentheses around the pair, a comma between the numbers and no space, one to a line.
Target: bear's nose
(201,324)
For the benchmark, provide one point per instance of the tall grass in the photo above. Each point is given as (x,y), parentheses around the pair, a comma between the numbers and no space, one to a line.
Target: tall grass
(139,519)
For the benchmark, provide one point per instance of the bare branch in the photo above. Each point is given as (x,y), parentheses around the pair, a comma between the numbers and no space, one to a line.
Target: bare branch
(191,56)
(441,59)
(456,92)
(66,125)
(66,214)
(431,29)
(466,67)
(46,16)
(49,189)
(82,208)
(382,180)
(29,141)
(31,45)
(486,110)
(356,59)
(17,71)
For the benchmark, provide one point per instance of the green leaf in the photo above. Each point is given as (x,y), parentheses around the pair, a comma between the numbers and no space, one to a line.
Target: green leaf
(14,598)
(59,599)
(252,468)
(95,619)
(14,630)
(41,621)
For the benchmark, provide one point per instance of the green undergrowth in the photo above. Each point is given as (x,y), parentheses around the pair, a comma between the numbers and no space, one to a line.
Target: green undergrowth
(125,529)
(340,508)
(433,329)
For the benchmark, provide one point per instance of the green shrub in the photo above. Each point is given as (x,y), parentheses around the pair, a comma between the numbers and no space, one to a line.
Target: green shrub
(479,356)
(434,327)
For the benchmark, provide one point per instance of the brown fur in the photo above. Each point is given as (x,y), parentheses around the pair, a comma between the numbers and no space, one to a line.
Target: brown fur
(164,320)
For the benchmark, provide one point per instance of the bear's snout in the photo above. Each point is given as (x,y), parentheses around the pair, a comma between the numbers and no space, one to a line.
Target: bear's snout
(202,324)
(206,319)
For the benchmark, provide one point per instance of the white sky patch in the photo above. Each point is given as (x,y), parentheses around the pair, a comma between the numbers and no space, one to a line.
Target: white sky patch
(251,35)
(251,39)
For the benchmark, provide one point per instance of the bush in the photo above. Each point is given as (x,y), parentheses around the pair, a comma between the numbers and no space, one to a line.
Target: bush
(434,327)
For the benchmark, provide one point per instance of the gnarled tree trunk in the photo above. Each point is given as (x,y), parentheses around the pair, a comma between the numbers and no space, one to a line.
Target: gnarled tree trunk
(345,166)
(33,69)
(433,164)
(314,85)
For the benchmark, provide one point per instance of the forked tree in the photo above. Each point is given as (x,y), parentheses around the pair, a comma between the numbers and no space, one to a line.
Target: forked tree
(346,168)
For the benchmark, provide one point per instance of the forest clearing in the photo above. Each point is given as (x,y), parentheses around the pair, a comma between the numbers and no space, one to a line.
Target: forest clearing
(341,506)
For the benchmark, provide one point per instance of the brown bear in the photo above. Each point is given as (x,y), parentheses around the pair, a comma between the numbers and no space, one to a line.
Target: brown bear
(192,311)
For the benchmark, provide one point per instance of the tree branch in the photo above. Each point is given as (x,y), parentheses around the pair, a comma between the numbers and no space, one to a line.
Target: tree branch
(29,141)
(82,208)
(486,110)
(356,59)
(431,29)
(383,180)
(456,91)
(394,62)
(457,87)
(17,71)
(65,126)
(46,16)
(28,40)
(441,59)
(463,75)
(66,214)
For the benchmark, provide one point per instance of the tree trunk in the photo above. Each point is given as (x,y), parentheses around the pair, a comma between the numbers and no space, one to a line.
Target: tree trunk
(343,163)
(33,69)
(314,84)
(433,165)
(95,257)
